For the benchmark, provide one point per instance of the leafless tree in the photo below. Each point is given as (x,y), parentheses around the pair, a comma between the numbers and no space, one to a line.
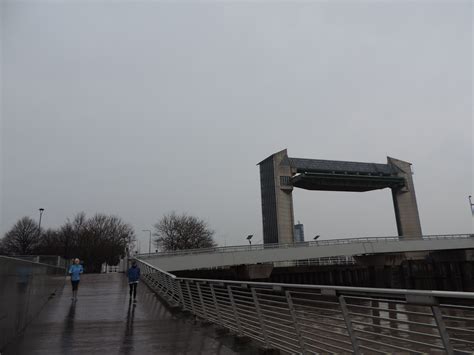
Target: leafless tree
(178,232)
(95,240)
(22,239)
(50,243)
(107,239)
(68,237)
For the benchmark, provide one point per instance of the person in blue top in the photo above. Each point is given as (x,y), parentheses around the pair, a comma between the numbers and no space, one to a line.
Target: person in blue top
(75,270)
(133,277)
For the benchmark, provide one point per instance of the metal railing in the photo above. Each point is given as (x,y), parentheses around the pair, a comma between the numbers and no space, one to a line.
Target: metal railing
(53,260)
(307,319)
(253,247)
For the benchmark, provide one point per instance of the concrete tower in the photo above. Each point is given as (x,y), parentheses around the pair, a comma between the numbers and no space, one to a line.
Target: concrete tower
(277,199)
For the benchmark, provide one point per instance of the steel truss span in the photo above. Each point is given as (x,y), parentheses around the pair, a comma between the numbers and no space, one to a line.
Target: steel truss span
(307,319)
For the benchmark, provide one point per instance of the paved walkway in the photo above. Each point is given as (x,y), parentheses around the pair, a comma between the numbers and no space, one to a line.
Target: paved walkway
(103,321)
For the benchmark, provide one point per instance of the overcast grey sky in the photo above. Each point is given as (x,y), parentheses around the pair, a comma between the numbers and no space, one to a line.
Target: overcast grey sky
(141,108)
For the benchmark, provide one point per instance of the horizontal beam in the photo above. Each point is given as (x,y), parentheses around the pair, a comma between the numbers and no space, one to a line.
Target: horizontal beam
(345,182)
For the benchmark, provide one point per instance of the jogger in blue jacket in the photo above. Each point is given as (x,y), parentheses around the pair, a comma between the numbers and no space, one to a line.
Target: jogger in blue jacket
(133,277)
(75,270)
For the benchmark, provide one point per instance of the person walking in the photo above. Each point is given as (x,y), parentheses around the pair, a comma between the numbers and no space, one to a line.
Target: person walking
(75,270)
(133,277)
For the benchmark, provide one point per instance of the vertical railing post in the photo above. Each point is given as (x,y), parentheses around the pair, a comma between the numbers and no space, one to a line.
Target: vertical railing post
(155,278)
(202,301)
(145,272)
(295,320)
(152,278)
(260,316)
(163,284)
(169,289)
(173,290)
(443,332)
(350,330)
(180,291)
(234,309)
(159,279)
(164,281)
(193,310)
(216,305)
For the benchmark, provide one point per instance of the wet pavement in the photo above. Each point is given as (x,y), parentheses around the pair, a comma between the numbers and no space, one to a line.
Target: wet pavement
(103,321)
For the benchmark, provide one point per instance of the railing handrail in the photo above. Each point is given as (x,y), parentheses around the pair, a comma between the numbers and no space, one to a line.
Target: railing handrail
(340,241)
(31,262)
(34,256)
(157,268)
(349,289)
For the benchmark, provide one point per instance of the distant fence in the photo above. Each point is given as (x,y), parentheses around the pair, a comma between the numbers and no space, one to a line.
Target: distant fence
(110,268)
(122,266)
(25,287)
(53,260)
(310,319)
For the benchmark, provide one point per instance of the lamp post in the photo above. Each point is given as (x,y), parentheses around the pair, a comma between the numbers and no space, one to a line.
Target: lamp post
(41,210)
(471,204)
(149,244)
(249,237)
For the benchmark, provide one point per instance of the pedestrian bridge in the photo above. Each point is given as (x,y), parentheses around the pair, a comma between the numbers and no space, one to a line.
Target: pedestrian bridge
(102,321)
(268,253)
(222,317)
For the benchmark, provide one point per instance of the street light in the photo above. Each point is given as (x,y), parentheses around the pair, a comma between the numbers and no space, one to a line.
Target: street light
(39,223)
(250,237)
(472,205)
(149,244)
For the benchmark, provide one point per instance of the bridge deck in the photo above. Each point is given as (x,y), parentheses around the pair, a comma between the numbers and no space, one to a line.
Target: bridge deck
(254,254)
(103,321)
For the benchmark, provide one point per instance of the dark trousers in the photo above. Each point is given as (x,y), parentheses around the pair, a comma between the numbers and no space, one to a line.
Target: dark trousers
(74,284)
(133,288)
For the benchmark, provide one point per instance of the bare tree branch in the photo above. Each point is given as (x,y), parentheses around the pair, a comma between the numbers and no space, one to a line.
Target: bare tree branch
(177,232)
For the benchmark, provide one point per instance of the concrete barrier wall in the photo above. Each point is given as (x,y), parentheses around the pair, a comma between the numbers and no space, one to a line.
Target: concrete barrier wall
(25,287)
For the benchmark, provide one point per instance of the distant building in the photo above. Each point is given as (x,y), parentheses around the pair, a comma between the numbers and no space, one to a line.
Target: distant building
(299,233)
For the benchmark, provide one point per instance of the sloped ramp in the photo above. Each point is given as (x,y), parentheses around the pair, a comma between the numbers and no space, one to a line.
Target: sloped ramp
(103,321)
